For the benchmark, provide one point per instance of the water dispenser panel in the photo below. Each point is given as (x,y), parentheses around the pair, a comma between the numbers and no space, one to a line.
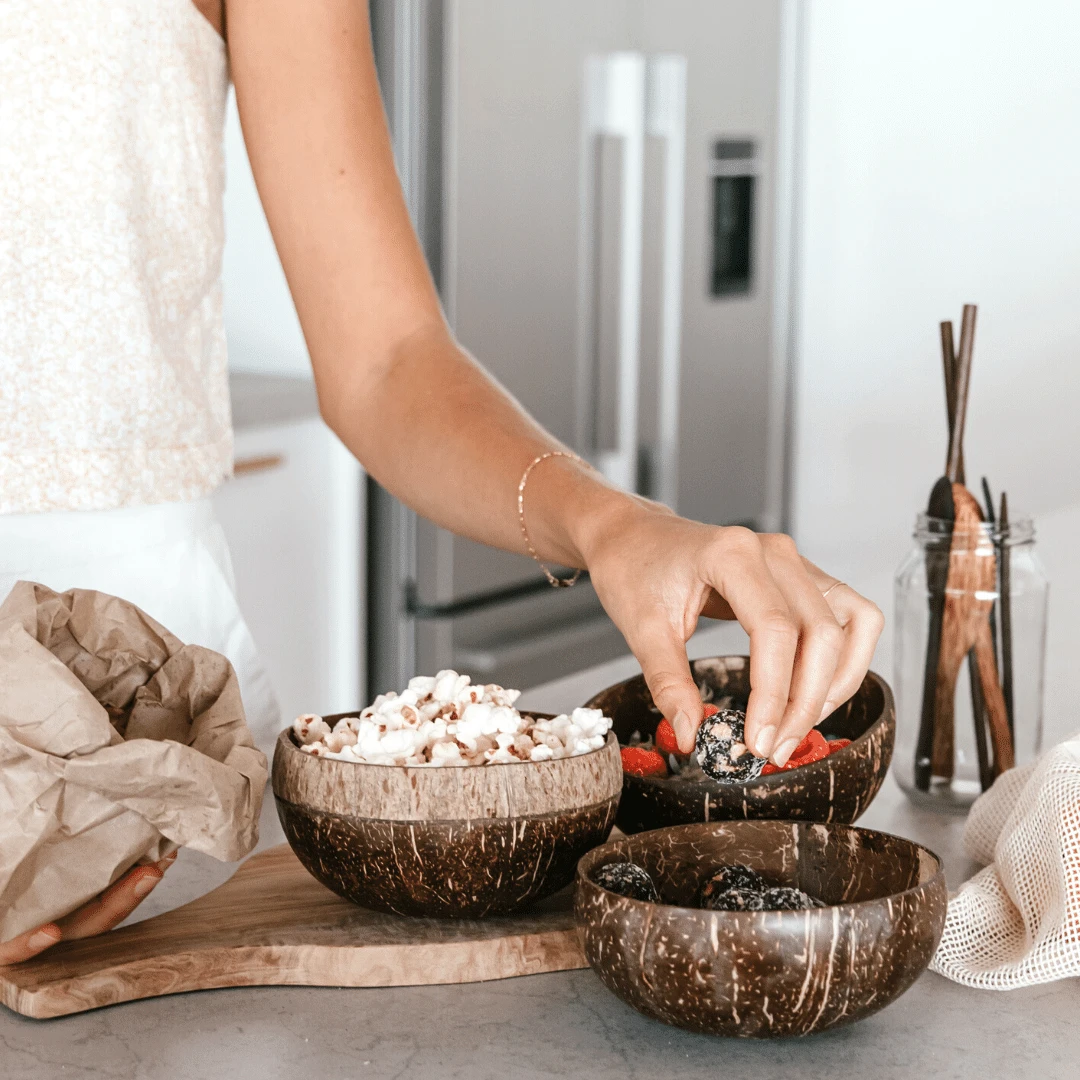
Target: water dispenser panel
(733,178)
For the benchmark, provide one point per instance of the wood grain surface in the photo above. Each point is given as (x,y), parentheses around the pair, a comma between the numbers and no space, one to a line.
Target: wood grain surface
(272,924)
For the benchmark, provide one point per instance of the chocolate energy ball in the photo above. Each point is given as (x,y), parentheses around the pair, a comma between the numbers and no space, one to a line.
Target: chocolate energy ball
(627,879)
(732,876)
(776,898)
(722,752)
(785,898)
(736,900)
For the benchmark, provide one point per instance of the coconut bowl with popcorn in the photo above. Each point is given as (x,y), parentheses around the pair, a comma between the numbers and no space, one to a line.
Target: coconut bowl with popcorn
(444,801)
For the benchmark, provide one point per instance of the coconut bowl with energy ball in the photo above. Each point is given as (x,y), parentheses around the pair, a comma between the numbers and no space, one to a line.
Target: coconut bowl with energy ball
(764,974)
(837,788)
(447,842)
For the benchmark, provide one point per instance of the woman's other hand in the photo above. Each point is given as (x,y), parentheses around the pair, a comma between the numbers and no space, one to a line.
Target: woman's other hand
(109,909)
(657,573)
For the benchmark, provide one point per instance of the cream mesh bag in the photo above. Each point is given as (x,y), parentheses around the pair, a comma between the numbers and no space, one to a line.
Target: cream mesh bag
(1017,922)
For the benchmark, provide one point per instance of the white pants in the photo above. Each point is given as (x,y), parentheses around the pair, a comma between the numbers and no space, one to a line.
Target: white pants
(171,560)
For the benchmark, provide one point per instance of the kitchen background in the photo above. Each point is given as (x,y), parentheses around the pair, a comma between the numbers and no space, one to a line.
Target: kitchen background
(899,158)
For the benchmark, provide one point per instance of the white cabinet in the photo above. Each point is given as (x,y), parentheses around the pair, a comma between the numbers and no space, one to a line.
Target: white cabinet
(294,518)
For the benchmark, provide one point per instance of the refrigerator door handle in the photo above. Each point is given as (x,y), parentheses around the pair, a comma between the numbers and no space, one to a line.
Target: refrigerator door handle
(613,105)
(666,119)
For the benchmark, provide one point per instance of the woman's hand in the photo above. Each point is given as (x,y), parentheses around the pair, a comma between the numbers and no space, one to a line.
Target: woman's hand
(430,425)
(657,573)
(110,909)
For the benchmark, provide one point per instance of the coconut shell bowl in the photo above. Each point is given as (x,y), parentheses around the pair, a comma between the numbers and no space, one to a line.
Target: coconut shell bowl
(837,788)
(447,842)
(765,974)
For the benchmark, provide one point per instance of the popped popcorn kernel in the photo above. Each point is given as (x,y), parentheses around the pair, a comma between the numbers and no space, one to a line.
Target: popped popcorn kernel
(447,720)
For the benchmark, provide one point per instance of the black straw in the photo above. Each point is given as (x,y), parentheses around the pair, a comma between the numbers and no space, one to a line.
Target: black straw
(1006,615)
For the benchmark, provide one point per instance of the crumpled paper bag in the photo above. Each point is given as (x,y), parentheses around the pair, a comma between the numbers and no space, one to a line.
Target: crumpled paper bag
(118,743)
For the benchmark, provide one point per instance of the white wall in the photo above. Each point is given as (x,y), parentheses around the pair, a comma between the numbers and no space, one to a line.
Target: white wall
(260,321)
(941,165)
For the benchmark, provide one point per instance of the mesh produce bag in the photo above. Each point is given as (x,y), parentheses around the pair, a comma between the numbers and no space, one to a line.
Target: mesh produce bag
(1017,922)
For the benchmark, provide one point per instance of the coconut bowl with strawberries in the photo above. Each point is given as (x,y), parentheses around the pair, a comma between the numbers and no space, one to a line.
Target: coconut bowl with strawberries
(833,777)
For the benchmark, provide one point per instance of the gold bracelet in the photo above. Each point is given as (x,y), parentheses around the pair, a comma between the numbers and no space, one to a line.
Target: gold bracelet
(555,582)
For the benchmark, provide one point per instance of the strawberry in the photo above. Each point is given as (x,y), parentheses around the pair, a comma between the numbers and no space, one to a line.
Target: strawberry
(709,710)
(812,748)
(838,744)
(637,761)
(665,739)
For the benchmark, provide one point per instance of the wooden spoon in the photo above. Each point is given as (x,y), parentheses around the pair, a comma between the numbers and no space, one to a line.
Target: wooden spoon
(969,598)
(930,746)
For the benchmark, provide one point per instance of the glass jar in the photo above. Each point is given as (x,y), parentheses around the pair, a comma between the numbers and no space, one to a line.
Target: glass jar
(960,652)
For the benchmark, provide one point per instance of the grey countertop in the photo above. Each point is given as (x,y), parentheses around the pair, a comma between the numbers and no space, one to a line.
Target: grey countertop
(543,1025)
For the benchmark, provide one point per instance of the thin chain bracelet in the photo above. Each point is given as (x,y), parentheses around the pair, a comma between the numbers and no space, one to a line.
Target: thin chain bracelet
(555,582)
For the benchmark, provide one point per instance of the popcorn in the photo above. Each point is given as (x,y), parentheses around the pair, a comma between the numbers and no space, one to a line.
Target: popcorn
(310,728)
(447,720)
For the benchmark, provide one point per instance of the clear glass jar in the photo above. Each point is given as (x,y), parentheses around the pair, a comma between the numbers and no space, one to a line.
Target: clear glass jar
(942,761)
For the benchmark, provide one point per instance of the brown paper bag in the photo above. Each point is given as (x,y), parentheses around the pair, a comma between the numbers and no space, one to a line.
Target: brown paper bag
(118,743)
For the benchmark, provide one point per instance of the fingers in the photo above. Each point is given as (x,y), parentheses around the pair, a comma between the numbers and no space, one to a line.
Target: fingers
(821,641)
(28,945)
(808,653)
(862,622)
(738,570)
(165,863)
(110,908)
(667,673)
(114,905)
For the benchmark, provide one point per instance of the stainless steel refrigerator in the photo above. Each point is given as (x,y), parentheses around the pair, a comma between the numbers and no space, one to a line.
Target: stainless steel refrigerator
(604,189)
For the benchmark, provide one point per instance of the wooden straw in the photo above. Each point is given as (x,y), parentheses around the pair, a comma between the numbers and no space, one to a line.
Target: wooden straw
(963,375)
(948,360)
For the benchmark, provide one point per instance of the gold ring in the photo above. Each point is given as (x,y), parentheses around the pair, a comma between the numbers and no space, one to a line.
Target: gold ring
(830,588)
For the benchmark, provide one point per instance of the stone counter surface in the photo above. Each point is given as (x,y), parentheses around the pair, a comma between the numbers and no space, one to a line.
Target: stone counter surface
(544,1025)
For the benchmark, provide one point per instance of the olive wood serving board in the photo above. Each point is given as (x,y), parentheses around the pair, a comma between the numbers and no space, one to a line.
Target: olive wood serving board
(273,924)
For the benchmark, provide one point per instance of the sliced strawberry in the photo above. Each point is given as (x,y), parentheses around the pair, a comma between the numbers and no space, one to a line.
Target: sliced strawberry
(812,748)
(709,710)
(770,768)
(637,761)
(665,739)
(838,744)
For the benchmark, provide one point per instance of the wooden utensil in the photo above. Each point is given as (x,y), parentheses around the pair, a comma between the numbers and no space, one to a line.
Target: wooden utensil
(930,746)
(948,360)
(978,703)
(273,924)
(970,588)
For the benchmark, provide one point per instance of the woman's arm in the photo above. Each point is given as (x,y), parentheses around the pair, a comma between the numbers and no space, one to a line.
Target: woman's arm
(431,426)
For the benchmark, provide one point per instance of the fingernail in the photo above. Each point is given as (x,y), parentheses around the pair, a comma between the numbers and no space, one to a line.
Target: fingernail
(784,751)
(763,742)
(684,731)
(145,885)
(46,936)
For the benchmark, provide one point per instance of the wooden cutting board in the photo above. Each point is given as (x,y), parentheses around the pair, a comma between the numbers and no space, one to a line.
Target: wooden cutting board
(273,924)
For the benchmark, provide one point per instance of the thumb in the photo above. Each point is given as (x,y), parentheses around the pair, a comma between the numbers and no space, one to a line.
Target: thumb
(663,661)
